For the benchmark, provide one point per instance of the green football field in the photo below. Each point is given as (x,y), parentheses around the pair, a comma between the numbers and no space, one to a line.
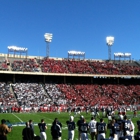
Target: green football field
(18,120)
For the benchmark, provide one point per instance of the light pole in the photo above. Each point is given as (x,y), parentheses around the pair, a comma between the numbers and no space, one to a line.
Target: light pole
(48,40)
(109,42)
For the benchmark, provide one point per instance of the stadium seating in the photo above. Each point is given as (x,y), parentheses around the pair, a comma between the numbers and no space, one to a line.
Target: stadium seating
(72,66)
(3,65)
(52,66)
(75,92)
(88,67)
(26,65)
(79,67)
(100,94)
(54,93)
(31,95)
(7,98)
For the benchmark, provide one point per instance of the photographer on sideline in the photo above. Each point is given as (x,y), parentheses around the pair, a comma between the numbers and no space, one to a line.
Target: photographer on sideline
(4,130)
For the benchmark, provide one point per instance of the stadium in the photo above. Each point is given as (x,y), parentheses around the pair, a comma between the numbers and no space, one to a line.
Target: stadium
(45,83)
(32,86)
(88,80)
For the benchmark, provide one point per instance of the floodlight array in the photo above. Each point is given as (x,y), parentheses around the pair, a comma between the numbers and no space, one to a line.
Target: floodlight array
(110,40)
(17,49)
(122,54)
(48,37)
(127,54)
(76,53)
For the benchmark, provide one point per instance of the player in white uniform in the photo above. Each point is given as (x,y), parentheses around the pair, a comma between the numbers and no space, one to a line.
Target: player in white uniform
(92,128)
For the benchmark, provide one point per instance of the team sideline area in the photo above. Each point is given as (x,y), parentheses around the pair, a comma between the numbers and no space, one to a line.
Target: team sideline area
(17,120)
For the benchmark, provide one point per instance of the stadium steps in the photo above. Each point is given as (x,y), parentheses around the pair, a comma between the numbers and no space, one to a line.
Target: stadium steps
(11,90)
(8,63)
(45,91)
(9,67)
(38,65)
(137,63)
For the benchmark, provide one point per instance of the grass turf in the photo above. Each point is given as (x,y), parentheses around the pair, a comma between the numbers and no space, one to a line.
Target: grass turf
(18,119)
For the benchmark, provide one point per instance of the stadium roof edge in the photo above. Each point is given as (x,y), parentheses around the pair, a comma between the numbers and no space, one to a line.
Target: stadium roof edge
(38,57)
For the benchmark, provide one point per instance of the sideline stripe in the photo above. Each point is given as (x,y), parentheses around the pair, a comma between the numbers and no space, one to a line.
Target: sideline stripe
(17,117)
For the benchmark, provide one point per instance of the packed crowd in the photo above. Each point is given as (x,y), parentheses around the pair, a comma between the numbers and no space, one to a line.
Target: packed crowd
(49,65)
(88,67)
(35,96)
(28,65)
(30,94)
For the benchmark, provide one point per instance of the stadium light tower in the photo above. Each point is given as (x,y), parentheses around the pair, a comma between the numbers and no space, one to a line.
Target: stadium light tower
(109,42)
(48,40)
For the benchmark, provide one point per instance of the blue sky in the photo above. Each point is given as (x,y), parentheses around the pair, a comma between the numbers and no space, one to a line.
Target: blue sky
(80,25)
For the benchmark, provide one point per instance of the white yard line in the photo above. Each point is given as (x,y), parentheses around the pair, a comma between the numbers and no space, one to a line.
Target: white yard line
(17,117)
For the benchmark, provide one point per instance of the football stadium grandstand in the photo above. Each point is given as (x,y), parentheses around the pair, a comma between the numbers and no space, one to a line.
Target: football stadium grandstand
(33,83)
